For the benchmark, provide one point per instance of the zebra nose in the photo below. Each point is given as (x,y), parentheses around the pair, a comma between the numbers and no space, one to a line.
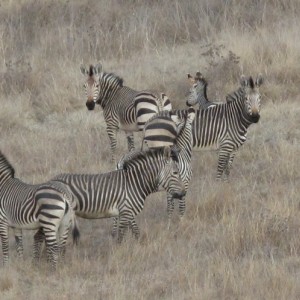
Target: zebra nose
(179,195)
(90,105)
(254,111)
(255,117)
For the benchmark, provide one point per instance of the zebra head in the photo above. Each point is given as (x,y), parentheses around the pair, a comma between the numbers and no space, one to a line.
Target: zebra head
(197,94)
(169,177)
(91,86)
(252,96)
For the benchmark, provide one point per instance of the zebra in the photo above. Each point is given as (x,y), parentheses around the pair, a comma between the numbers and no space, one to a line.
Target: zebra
(24,206)
(121,193)
(198,92)
(225,125)
(181,142)
(122,106)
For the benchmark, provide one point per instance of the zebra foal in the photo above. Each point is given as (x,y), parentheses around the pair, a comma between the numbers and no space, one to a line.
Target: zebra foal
(122,193)
(198,92)
(123,107)
(23,206)
(225,125)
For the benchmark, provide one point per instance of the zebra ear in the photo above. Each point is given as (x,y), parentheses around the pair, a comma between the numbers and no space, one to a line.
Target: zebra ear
(259,80)
(83,70)
(191,79)
(167,152)
(198,76)
(244,81)
(98,69)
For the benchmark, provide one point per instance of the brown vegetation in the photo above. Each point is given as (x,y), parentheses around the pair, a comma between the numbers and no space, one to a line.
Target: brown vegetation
(238,240)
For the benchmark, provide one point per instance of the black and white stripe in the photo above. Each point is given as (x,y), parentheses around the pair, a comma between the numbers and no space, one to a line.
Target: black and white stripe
(23,206)
(225,125)
(161,130)
(123,107)
(122,193)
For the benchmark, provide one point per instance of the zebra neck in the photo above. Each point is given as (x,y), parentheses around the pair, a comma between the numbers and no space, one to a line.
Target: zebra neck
(142,183)
(5,177)
(184,139)
(244,118)
(107,96)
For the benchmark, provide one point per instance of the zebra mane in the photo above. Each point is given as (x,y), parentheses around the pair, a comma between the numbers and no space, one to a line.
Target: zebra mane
(117,79)
(91,70)
(232,96)
(131,160)
(5,166)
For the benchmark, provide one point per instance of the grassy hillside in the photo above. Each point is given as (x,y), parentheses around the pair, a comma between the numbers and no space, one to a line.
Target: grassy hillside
(238,240)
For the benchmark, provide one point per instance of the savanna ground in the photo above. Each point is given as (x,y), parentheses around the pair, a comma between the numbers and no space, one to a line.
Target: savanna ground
(238,240)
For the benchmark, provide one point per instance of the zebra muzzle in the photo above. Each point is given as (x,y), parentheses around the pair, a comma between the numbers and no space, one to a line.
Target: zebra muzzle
(179,195)
(90,105)
(255,117)
(188,104)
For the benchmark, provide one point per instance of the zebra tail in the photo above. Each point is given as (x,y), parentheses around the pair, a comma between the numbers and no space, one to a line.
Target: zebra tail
(75,230)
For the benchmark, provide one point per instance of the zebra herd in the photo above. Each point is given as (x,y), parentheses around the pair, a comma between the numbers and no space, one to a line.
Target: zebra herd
(51,207)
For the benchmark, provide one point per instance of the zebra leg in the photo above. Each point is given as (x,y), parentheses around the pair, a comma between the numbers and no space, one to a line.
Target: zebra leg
(4,241)
(52,248)
(115,227)
(229,164)
(112,134)
(37,245)
(170,206)
(124,224)
(63,241)
(134,229)
(19,242)
(130,141)
(222,162)
(181,207)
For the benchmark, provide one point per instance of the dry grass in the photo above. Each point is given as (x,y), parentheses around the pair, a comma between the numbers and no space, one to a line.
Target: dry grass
(238,240)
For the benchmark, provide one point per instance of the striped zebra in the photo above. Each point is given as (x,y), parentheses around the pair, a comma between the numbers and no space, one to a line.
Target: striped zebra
(198,92)
(181,142)
(24,206)
(123,107)
(225,125)
(121,193)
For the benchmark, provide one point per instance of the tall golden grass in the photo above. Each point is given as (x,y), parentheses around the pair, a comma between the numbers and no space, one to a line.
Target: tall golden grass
(238,240)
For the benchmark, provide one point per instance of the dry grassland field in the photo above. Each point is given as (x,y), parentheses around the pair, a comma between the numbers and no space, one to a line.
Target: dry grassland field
(238,239)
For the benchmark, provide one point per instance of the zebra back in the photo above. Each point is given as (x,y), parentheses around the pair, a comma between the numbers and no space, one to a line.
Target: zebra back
(161,130)
(148,104)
